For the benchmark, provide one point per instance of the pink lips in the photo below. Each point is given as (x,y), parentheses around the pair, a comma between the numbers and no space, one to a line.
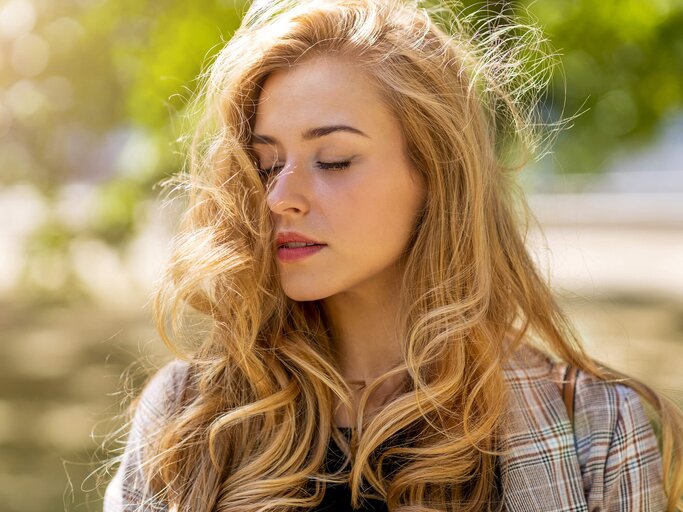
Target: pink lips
(295,253)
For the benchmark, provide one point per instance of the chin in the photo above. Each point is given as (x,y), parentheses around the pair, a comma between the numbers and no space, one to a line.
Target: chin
(303,295)
(307,290)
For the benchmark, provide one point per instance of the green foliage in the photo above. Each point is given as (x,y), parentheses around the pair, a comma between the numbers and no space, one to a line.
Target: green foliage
(50,237)
(115,215)
(623,62)
(156,48)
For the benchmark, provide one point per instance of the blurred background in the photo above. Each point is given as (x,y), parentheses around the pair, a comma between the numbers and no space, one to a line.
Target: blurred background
(92,97)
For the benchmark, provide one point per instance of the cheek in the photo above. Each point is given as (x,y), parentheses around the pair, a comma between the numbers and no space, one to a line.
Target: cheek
(373,208)
(400,211)
(378,218)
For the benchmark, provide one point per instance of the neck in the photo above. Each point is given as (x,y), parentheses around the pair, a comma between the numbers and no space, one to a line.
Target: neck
(367,342)
(365,332)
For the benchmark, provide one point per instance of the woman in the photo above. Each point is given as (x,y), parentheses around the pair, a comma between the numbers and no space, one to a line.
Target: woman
(380,338)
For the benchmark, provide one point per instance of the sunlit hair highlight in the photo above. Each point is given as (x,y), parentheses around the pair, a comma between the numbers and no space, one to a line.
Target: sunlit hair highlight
(256,415)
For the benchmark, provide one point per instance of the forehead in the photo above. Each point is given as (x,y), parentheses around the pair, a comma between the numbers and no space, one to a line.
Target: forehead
(326,89)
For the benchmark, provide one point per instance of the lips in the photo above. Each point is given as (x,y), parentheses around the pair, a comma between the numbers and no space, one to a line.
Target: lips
(286,253)
(288,237)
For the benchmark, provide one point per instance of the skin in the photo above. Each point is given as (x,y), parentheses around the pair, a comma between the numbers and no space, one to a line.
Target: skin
(364,212)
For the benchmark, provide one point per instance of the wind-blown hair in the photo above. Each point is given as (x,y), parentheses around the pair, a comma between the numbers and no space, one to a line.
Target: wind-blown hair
(257,416)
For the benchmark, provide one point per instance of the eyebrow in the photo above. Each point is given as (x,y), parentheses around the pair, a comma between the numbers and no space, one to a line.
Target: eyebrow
(311,133)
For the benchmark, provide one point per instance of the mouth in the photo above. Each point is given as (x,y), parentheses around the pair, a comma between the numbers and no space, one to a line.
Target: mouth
(298,245)
(293,251)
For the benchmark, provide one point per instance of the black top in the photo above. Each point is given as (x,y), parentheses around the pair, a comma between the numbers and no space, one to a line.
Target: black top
(337,497)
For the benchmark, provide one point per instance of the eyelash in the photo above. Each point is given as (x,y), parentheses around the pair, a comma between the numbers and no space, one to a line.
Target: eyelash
(337,166)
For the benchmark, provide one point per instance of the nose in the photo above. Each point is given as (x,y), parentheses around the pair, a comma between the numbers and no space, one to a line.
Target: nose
(288,192)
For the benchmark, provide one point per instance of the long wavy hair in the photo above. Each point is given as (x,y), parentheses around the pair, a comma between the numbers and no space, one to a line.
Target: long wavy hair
(257,411)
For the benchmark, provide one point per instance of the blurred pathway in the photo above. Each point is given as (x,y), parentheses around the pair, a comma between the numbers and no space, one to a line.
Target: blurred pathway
(60,368)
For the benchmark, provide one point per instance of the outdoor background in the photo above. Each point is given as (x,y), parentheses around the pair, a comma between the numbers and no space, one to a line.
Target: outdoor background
(92,96)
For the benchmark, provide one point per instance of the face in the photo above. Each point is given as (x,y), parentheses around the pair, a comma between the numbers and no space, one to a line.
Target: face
(335,163)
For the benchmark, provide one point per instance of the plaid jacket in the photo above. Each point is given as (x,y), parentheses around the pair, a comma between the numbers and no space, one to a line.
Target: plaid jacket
(608,461)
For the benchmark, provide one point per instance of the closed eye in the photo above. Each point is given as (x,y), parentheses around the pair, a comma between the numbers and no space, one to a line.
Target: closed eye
(322,165)
(334,165)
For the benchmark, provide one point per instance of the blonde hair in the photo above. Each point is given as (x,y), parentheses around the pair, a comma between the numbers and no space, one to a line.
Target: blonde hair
(256,417)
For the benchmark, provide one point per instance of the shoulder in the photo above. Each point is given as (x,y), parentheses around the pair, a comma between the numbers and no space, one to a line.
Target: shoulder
(527,365)
(163,390)
(603,403)
(158,398)
(610,447)
(533,382)
(537,432)
(601,407)
(616,446)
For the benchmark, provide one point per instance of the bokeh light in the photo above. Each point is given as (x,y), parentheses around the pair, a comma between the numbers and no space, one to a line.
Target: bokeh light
(17,18)
(29,55)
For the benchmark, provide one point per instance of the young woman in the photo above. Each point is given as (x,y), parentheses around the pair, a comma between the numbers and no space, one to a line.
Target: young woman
(379,337)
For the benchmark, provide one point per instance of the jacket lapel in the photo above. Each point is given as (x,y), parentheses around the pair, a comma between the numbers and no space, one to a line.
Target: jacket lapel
(540,470)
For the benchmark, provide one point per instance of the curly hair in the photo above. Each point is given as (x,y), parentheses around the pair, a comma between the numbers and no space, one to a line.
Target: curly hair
(257,418)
